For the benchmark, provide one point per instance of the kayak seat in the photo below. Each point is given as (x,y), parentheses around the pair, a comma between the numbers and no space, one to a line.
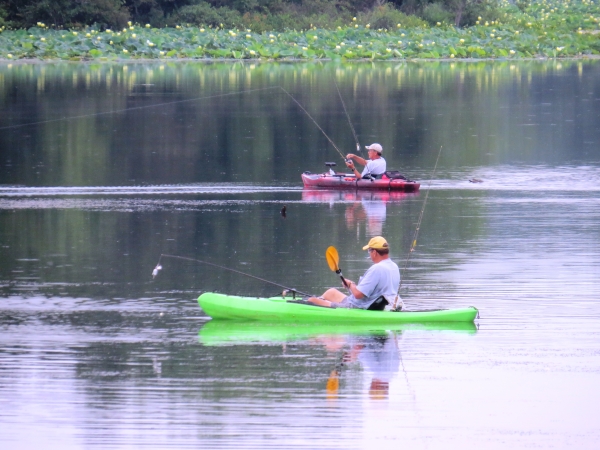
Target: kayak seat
(370,176)
(378,305)
(394,175)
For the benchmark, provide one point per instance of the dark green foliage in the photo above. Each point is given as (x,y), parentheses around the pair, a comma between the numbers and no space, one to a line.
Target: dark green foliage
(207,15)
(436,12)
(65,13)
(387,17)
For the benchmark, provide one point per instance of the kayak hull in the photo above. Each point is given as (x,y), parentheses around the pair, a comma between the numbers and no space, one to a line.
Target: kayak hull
(230,307)
(325,180)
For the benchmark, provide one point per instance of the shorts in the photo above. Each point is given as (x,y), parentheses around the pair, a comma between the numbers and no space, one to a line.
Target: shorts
(346,303)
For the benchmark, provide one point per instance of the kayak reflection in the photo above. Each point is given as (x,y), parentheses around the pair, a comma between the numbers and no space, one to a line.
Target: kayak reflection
(368,207)
(374,351)
(227,332)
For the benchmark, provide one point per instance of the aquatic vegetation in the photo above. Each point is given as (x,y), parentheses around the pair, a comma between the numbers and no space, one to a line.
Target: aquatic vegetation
(549,28)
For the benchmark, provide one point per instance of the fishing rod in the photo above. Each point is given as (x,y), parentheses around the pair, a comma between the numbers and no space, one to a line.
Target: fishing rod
(414,241)
(348,116)
(286,289)
(133,108)
(315,122)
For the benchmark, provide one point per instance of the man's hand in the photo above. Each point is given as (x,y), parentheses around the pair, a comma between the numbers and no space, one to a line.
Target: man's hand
(350,165)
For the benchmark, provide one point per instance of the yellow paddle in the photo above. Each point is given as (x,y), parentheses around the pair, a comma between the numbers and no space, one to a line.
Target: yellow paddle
(333,260)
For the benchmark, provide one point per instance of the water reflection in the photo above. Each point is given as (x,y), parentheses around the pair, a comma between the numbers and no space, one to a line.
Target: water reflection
(368,207)
(373,351)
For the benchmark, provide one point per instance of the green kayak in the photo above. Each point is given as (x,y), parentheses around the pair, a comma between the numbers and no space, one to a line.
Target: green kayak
(234,332)
(220,306)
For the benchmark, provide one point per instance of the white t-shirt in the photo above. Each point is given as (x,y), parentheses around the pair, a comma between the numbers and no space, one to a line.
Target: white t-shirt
(374,167)
(382,278)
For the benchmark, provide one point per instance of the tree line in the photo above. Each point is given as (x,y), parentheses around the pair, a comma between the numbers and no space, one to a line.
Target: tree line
(259,15)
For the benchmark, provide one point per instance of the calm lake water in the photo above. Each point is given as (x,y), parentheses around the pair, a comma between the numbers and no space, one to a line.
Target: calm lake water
(103,167)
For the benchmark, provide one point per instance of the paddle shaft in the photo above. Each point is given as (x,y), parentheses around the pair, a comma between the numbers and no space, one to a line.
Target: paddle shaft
(293,291)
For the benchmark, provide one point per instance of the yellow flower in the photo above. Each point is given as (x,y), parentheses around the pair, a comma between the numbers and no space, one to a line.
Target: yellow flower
(42,39)
(400,42)
(133,35)
(125,51)
(512,52)
(161,53)
(451,55)
(304,48)
(88,35)
(438,23)
(398,26)
(461,41)
(368,25)
(201,30)
(337,47)
(147,25)
(388,50)
(111,42)
(517,32)
(248,36)
(129,23)
(9,56)
(74,33)
(354,19)
(359,46)
(108,31)
(252,52)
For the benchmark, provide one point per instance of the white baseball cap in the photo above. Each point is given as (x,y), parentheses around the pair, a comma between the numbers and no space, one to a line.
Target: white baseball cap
(375,147)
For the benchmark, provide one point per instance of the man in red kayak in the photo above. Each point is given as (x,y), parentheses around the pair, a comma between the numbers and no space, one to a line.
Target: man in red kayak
(374,166)
(377,288)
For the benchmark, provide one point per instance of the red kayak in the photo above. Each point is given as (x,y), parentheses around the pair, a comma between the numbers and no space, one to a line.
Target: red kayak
(387,181)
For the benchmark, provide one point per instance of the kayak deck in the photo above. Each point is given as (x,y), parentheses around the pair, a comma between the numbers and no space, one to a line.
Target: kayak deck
(230,307)
(349,181)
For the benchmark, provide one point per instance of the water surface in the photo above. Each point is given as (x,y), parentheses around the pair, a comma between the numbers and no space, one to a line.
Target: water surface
(105,167)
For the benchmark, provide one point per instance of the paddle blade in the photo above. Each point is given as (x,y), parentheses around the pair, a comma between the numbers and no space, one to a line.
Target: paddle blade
(333,259)
(333,385)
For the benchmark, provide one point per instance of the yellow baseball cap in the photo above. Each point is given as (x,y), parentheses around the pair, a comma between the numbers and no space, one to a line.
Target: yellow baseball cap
(378,243)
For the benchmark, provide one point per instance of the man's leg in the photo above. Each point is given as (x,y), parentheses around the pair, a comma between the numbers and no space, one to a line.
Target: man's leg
(330,296)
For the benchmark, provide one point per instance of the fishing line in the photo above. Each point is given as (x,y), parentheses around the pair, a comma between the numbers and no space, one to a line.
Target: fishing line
(315,122)
(348,116)
(134,108)
(286,289)
(414,242)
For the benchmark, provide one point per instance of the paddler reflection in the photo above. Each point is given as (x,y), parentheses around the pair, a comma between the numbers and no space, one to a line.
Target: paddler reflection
(364,207)
(379,357)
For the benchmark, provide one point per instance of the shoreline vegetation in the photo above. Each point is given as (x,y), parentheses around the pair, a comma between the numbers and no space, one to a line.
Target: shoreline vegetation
(525,30)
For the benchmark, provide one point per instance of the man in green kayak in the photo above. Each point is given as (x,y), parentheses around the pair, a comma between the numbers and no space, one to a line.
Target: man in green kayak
(374,166)
(377,288)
